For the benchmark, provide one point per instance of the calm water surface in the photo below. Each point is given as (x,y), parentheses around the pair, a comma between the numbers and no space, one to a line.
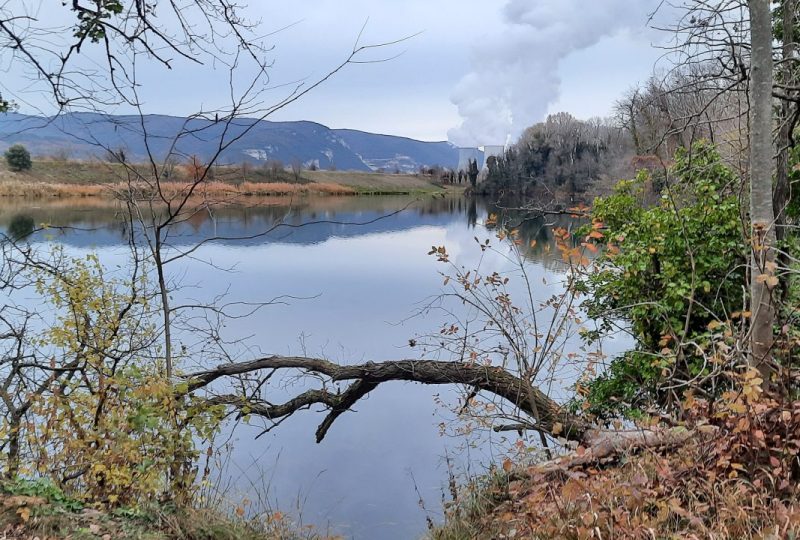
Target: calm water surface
(356,289)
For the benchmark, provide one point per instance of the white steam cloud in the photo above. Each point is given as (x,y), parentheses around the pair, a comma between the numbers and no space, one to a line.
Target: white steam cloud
(514,75)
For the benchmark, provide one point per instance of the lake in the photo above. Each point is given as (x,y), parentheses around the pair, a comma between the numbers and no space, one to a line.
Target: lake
(357,286)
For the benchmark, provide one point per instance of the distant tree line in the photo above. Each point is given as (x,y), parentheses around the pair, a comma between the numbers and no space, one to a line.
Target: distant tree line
(649,123)
(560,153)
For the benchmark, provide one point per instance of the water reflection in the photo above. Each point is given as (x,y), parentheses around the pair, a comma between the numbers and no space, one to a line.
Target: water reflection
(362,283)
(97,222)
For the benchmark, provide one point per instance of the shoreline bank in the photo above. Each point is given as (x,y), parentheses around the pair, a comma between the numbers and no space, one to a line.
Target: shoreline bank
(55,179)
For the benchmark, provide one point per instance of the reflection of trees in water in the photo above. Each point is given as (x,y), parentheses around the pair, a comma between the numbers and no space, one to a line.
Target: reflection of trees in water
(81,214)
(255,217)
(535,229)
(472,212)
(21,226)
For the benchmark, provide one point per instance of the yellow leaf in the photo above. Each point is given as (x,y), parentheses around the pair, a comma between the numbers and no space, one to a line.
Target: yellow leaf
(24,513)
(737,407)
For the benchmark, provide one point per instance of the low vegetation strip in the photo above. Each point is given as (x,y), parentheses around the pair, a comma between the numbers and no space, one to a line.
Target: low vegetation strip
(729,473)
(53,179)
(170,189)
(37,509)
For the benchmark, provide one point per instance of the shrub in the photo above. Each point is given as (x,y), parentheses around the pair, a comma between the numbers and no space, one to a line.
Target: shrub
(18,158)
(674,275)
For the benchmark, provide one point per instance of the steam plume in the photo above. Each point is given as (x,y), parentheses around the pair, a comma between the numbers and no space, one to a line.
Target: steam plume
(514,76)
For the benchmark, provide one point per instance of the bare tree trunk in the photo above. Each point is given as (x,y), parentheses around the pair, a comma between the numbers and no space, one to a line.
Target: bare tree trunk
(165,308)
(14,427)
(762,215)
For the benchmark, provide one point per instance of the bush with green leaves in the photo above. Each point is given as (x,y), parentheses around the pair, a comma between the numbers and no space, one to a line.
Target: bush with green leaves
(673,275)
(793,208)
(18,158)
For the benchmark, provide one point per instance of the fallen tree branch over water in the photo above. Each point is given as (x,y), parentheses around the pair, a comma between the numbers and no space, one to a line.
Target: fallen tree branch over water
(548,416)
(605,445)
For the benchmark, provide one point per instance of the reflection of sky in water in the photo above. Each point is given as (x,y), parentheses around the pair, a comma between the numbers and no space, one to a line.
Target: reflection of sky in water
(361,285)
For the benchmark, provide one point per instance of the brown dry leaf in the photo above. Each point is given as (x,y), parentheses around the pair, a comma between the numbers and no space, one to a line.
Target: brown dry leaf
(572,490)
(507,465)
(23,500)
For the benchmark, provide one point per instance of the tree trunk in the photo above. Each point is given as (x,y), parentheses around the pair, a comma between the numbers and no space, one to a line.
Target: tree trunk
(762,216)
(165,309)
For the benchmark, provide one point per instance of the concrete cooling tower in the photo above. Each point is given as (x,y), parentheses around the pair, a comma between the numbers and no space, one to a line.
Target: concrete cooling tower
(496,150)
(464,155)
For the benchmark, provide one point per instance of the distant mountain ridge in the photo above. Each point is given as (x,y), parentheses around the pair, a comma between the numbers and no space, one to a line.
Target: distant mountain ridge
(75,135)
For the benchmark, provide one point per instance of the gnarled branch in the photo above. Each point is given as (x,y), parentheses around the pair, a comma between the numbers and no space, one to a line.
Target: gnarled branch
(548,416)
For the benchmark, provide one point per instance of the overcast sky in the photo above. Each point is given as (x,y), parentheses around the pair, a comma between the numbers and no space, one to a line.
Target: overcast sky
(479,71)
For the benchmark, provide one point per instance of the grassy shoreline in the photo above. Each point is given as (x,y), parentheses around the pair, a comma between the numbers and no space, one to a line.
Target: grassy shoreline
(82,179)
(52,516)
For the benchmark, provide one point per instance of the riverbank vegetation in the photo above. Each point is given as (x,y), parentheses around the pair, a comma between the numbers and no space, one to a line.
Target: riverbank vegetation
(65,178)
(39,509)
(693,431)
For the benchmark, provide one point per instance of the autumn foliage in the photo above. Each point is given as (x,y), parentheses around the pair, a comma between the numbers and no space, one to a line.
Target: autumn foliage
(736,478)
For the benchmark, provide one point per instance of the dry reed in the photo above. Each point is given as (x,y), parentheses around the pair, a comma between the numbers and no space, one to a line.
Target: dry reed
(170,189)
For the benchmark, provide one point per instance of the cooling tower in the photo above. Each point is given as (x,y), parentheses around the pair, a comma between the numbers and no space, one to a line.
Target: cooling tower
(496,150)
